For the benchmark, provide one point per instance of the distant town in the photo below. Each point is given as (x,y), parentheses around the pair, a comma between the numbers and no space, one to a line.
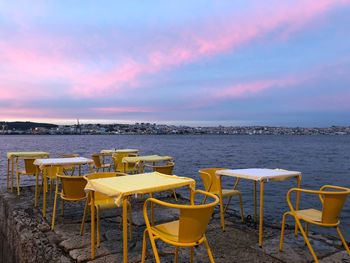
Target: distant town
(32,128)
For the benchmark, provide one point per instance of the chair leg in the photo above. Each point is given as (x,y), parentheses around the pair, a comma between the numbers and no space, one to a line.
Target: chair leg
(306,239)
(62,212)
(210,255)
(191,254)
(343,240)
(98,226)
(222,215)
(144,245)
(18,179)
(306,230)
(176,258)
(228,202)
(241,206)
(154,248)
(82,226)
(130,220)
(175,196)
(282,230)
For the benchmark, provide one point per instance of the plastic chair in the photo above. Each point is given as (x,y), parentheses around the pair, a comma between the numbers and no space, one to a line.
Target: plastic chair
(164,169)
(332,205)
(212,184)
(96,157)
(29,169)
(102,201)
(188,231)
(72,190)
(119,166)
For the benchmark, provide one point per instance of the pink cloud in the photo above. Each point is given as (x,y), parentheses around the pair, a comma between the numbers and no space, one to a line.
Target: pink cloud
(27,62)
(123,109)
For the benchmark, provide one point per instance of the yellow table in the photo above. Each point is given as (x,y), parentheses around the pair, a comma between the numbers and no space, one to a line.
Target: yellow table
(41,164)
(123,186)
(262,175)
(145,158)
(12,156)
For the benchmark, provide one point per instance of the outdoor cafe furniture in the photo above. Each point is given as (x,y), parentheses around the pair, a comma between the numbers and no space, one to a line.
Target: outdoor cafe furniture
(120,188)
(121,153)
(187,231)
(262,175)
(103,202)
(140,160)
(72,190)
(99,162)
(120,167)
(164,169)
(12,157)
(70,169)
(212,184)
(42,164)
(332,200)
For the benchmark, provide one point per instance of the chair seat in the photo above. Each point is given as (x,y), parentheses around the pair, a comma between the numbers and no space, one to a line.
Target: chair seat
(228,192)
(168,230)
(310,215)
(105,203)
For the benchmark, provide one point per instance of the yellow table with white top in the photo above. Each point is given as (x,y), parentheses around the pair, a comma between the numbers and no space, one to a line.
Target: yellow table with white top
(145,158)
(41,164)
(12,156)
(123,186)
(262,175)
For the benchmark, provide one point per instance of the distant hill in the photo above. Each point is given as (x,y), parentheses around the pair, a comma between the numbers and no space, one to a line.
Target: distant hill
(25,125)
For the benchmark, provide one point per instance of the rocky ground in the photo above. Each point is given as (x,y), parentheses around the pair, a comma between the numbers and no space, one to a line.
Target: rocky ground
(29,237)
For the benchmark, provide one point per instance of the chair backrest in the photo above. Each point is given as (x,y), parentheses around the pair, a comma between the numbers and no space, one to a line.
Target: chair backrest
(165,169)
(52,171)
(210,181)
(194,219)
(98,175)
(118,161)
(69,155)
(29,166)
(72,187)
(97,160)
(333,202)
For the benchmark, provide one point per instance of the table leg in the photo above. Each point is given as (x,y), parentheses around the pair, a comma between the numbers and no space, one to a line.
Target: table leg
(125,230)
(36,186)
(255,202)
(44,191)
(17,177)
(92,209)
(297,203)
(152,210)
(261,214)
(8,173)
(12,171)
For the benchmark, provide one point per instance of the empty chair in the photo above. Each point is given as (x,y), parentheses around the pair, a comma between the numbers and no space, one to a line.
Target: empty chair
(188,231)
(29,169)
(212,184)
(119,166)
(102,201)
(164,169)
(96,157)
(332,199)
(72,189)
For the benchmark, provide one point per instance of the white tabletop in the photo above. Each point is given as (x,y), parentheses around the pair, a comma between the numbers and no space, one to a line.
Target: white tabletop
(259,174)
(119,151)
(62,161)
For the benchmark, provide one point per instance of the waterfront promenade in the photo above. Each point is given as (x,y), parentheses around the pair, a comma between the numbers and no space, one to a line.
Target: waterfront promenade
(27,237)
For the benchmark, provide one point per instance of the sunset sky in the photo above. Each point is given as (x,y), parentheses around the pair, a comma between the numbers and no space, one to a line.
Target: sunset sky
(284,63)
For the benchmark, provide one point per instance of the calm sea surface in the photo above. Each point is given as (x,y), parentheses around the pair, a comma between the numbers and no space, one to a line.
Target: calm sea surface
(321,159)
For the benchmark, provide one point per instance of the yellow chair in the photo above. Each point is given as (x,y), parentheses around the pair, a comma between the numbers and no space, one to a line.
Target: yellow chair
(164,169)
(29,169)
(119,165)
(188,231)
(72,190)
(102,201)
(212,184)
(332,205)
(96,157)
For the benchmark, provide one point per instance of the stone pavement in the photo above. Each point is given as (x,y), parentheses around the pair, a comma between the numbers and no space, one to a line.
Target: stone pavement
(29,239)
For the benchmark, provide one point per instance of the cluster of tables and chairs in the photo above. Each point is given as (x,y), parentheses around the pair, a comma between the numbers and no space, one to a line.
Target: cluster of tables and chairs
(114,176)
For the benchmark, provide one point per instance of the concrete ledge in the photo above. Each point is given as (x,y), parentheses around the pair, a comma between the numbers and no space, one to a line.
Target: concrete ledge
(26,237)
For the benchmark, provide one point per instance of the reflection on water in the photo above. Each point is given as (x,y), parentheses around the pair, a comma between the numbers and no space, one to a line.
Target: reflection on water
(321,159)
